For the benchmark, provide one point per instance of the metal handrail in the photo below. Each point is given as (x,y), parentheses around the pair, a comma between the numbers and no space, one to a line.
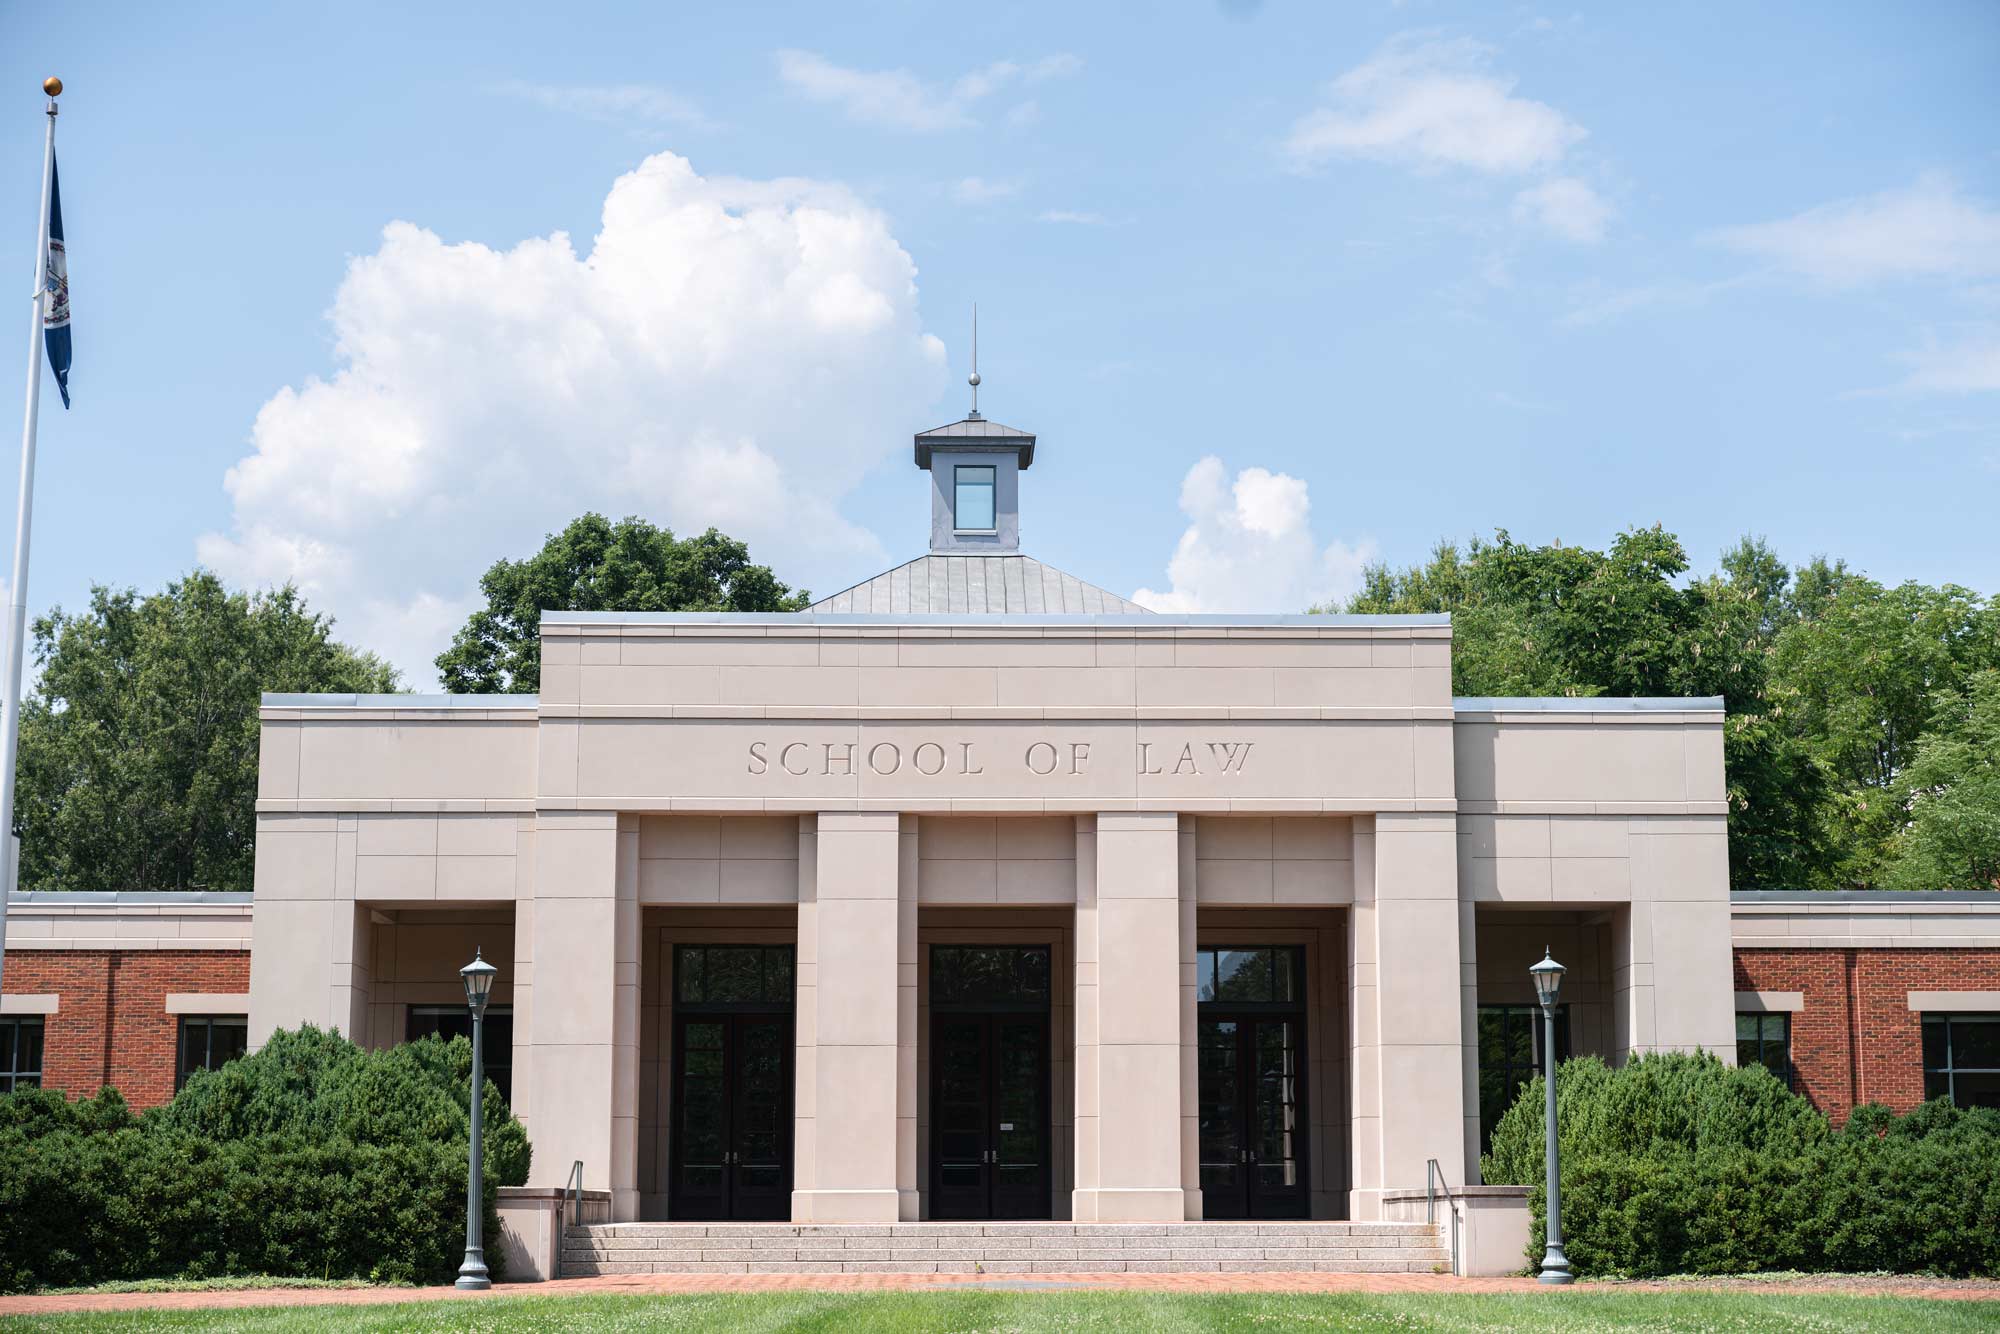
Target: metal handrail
(569,1209)
(1434,1185)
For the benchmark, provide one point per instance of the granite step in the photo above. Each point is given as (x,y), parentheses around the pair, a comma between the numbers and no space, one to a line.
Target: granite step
(1002,1248)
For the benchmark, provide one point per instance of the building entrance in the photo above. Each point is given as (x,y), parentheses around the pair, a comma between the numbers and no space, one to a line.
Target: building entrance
(1251,1056)
(989,1067)
(731,1133)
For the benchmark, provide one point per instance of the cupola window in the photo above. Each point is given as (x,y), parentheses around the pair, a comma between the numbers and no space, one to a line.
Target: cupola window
(972,498)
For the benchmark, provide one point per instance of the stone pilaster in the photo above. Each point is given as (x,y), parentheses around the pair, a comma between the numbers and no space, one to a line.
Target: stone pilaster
(1128,1023)
(1406,1006)
(845,1161)
(582,1074)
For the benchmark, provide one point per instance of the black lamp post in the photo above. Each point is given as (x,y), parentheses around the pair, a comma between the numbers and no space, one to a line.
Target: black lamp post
(478,976)
(1548,975)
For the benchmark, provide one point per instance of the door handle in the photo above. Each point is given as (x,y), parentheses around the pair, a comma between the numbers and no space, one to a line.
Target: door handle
(1243,1155)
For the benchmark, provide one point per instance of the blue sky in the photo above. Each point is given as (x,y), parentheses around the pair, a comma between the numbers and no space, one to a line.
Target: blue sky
(1402,271)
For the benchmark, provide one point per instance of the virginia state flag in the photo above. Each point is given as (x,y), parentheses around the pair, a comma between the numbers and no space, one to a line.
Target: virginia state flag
(55,277)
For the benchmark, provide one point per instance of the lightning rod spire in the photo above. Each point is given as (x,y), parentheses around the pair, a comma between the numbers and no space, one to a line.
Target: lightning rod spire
(973,379)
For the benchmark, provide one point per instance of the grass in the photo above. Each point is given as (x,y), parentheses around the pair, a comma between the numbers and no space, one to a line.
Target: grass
(994,1310)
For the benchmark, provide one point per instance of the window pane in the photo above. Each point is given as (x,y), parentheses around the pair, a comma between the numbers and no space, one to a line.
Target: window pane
(1746,1028)
(1284,975)
(194,1047)
(1243,975)
(1976,1090)
(1204,972)
(972,507)
(735,974)
(1935,1049)
(1034,974)
(1937,1084)
(227,1040)
(778,975)
(28,1050)
(688,973)
(1975,1043)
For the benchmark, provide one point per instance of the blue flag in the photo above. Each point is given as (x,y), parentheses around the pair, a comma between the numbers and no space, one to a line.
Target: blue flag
(55,307)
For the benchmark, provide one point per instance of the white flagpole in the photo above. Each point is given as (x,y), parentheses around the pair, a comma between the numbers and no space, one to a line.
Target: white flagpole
(17,591)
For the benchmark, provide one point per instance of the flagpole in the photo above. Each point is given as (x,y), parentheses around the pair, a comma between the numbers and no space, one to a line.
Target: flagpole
(17,590)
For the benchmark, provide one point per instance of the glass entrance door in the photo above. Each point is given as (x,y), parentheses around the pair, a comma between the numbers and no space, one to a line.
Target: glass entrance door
(1251,1066)
(730,1146)
(989,1063)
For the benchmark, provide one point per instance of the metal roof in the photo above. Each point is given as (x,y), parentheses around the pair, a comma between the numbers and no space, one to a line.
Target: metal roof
(976,432)
(977,585)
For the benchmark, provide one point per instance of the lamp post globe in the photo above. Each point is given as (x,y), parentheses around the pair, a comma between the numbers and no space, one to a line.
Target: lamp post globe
(478,978)
(1548,977)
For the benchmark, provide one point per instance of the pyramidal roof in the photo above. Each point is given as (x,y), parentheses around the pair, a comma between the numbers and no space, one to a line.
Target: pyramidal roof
(977,585)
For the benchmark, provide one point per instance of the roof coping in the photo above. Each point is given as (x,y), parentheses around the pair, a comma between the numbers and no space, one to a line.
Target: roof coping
(130,897)
(1983,897)
(1587,704)
(1148,620)
(283,700)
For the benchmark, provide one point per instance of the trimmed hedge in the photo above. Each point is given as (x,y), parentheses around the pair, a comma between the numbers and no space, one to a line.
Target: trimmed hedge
(309,1157)
(1681,1164)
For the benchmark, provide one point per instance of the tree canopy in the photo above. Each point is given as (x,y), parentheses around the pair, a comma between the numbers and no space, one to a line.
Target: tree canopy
(1862,719)
(597,565)
(138,759)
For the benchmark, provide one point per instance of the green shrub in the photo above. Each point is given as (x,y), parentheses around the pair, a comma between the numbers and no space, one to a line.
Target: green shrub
(310,1157)
(1681,1164)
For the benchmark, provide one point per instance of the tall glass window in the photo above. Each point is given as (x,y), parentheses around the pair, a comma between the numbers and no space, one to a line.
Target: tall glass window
(20,1053)
(1962,1058)
(1766,1040)
(207,1041)
(1510,1054)
(972,499)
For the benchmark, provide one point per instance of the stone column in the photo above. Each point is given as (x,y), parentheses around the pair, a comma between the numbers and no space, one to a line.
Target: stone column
(1190,1032)
(1406,1006)
(1128,1023)
(583,1029)
(907,957)
(845,1160)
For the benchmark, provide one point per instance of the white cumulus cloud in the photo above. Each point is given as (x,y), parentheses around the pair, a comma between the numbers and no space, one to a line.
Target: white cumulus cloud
(900,100)
(727,352)
(1426,102)
(1249,546)
(1926,230)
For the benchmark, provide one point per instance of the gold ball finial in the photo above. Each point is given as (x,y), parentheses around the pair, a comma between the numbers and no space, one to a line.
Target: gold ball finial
(52,86)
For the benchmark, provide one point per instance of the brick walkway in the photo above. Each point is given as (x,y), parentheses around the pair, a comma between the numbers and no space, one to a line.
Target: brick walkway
(670,1284)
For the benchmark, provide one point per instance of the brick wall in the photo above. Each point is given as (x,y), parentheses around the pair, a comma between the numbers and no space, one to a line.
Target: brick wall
(1857,1040)
(111,1025)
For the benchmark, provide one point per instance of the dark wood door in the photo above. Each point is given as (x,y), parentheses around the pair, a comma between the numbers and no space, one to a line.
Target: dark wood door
(731,1129)
(990,1116)
(1252,1116)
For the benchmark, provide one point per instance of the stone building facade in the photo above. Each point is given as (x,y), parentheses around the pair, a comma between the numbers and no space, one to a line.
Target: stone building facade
(977,892)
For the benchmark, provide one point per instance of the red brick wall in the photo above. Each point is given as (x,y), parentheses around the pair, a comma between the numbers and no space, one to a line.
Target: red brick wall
(1857,1040)
(111,1024)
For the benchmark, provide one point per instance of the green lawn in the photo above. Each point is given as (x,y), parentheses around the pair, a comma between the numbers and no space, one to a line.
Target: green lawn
(1009,1310)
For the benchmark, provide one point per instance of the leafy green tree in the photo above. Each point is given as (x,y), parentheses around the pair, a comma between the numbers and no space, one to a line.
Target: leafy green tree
(139,746)
(596,565)
(1951,796)
(1861,672)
